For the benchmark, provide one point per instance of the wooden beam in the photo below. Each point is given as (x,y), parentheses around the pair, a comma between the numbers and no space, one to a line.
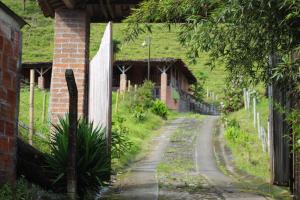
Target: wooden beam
(69,3)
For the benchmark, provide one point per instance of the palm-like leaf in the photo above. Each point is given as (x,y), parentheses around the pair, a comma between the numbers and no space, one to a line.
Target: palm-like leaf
(92,155)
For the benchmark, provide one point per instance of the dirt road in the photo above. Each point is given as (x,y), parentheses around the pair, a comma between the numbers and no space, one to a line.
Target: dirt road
(181,165)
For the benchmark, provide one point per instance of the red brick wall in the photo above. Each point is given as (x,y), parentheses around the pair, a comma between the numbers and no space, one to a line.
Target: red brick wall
(10,45)
(71,47)
(171,103)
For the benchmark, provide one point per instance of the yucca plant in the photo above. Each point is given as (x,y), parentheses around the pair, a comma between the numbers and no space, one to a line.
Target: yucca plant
(92,157)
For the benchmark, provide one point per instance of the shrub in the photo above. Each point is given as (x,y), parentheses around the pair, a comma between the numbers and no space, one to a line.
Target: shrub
(120,142)
(23,190)
(143,97)
(240,139)
(232,123)
(159,108)
(175,95)
(139,113)
(233,99)
(92,157)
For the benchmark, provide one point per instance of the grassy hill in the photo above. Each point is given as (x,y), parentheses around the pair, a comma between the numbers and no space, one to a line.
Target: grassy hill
(38,43)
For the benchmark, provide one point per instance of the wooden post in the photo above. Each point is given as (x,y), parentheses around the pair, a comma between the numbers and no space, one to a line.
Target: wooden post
(31,106)
(117,101)
(258,124)
(129,86)
(245,98)
(135,87)
(254,111)
(73,103)
(44,105)
(207,93)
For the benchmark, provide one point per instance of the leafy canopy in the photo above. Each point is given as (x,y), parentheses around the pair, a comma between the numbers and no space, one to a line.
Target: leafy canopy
(243,33)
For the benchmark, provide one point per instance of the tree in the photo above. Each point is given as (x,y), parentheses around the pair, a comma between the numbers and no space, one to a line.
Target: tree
(244,34)
(197,88)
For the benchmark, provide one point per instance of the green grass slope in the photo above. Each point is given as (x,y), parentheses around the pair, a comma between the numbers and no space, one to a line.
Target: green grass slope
(38,43)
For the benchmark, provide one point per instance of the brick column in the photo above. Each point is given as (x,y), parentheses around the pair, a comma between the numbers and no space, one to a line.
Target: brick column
(10,48)
(41,82)
(163,87)
(123,82)
(71,47)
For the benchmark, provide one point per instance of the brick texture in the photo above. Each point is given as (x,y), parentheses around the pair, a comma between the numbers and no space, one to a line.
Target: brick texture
(71,47)
(9,61)
(171,103)
(41,82)
(123,82)
(163,87)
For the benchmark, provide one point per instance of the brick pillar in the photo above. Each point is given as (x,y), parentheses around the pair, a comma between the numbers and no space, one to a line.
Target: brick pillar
(10,48)
(163,87)
(41,82)
(71,47)
(123,82)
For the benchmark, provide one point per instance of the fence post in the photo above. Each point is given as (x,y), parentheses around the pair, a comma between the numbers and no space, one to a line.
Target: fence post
(254,111)
(248,100)
(245,99)
(31,106)
(117,100)
(258,124)
(135,87)
(44,105)
(73,104)
(129,85)
(207,95)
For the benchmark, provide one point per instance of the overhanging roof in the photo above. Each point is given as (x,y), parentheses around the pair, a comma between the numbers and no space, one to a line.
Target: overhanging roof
(36,65)
(18,19)
(99,10)
(155,62)
(161,62)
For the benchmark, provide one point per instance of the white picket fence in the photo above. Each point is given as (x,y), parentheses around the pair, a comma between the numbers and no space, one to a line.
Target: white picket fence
(263,135)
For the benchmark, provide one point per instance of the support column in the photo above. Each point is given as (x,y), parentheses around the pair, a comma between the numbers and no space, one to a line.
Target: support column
(41,82)
(163,87)
(123,82)
(71,47)
(10,62)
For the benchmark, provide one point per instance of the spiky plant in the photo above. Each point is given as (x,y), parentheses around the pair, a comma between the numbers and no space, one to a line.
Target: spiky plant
(92,157)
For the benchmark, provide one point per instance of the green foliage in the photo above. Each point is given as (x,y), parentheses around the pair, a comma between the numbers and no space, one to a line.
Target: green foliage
(233,97)
(242,139)
(198,88)
(160,108)
(92,157)
(41,127)
(175,94)
(232,123)
(141,101)
(248,154)
(243,34)
(120,141)
(23,191)
(139,113)
(144,95)
(293,118)
(38,43)
(138,133)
